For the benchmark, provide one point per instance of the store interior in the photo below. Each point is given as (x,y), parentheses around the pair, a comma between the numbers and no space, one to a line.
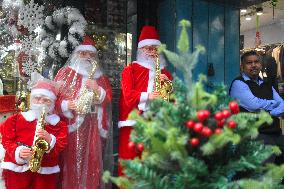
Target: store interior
(270,23)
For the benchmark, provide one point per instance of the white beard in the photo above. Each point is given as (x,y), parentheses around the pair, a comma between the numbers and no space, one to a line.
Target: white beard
(37,109)
(149,61)
(82,64)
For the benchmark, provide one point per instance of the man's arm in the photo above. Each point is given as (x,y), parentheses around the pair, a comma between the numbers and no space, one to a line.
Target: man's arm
(243,94)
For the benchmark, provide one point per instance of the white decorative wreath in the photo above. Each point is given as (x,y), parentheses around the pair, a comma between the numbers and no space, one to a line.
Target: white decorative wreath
(62,48)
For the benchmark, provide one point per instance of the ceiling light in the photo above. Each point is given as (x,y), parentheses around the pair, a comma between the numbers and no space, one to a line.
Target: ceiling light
(259,13)
(248,18)
(243,10)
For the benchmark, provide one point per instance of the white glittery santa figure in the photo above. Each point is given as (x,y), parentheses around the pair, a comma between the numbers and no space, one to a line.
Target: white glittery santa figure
(137,87)
(19,133)
(89,150)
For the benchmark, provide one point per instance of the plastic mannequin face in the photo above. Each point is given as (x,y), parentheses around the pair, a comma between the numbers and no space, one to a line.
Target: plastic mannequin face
(41,99)
(87,54)
(151,51)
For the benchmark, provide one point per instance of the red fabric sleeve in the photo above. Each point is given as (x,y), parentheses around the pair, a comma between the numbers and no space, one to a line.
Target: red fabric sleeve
(59,76)
(60,134)
(9,136)
(168,74)
(131,96)
(105,84)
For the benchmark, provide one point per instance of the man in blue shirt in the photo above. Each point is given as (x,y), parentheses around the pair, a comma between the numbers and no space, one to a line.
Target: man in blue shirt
(255,94)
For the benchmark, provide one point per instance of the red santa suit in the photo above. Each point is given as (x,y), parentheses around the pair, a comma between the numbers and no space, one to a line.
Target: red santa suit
(136,85)
(89,135)
(73,88)
(17,132)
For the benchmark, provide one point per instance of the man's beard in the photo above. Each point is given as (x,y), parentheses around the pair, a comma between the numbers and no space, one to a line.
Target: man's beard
(143,57)
(37,109)
(83,64)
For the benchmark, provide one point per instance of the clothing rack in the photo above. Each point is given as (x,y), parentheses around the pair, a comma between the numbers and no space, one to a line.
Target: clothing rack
(263,47)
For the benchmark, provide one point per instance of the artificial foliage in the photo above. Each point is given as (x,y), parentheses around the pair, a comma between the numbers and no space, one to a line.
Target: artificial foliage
(199,140)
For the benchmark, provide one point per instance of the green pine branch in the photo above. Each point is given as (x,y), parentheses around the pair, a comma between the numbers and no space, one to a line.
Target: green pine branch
(185,61)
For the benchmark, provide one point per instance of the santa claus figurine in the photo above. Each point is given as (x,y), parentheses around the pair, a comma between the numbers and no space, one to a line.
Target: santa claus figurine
(89,149)
(19,133)
(137,87)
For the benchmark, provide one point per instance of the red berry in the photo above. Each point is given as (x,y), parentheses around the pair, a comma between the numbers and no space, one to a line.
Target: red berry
(234,107)
(218,131)
(140,147)
(131,146)
(219,116)
(190,124)
(226,113)
(221,123)
(198,127)
(206,131)
(194,141)
(207,113)
(203,115)
(231,124)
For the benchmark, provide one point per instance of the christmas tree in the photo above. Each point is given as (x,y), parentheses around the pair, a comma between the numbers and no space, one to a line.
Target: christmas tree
(199,140)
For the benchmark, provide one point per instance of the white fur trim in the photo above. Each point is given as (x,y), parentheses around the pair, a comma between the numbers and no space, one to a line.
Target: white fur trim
(86,48)
(147,65)
(49,170)
(85,73)
(18,159)
(149,42)
(20,169)
(143,101)
(144,95)
(78,122)
(126,123)
(151,81)
(44,92)
(102,96)
(103,132)
(2,152)
(30,116)
(100,115)
(65,110)
(52,142)
(14,167)
(52,119)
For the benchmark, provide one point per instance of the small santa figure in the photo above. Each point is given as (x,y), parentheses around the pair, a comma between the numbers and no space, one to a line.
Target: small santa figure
(89,149)
(137,87)
(19,133)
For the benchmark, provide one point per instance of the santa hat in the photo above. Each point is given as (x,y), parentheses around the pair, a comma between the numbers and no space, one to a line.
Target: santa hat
(44,88)
(148,36)
(88,44)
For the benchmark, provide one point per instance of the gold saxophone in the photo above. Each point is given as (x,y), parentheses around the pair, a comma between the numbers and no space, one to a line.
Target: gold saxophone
(164,87)
(40,147)
(85,99)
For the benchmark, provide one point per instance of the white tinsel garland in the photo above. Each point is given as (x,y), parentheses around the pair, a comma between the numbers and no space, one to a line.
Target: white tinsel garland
(12,4)
(76,24)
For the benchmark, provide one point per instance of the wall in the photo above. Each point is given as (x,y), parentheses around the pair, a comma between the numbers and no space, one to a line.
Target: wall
(214,26)
(270,34)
